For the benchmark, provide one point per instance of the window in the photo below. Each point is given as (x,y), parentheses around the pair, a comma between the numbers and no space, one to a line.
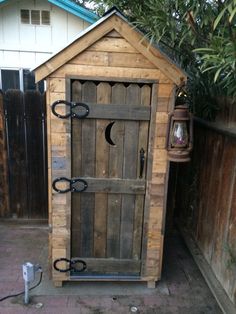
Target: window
(35,17)
(45,17)
(25,17)
(10,79)
(19,79)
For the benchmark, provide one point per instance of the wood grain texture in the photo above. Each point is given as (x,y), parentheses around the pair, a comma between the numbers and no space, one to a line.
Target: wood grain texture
(4,204)
(212,218)
(114,59)
(102,165)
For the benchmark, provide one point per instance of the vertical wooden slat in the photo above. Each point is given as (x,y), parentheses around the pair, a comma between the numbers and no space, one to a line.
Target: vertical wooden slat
(14,106)
(115,171)
(35,154)
(139,201)
(76,156)
(129,172)
(102,162)
(4,199)
(88,169)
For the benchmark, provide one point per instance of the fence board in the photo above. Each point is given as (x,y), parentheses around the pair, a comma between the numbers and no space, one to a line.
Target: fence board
(26,147)
(205,198)
(4,204)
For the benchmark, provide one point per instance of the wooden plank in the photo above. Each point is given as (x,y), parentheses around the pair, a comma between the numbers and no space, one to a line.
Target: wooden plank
(35,128)
(88,169)
(57,85)
(115,171)
(118,112)
(152,54)
(49,153)
(113,34)
(113,59)
(106,266)
(131,158)
(224,207)
(134,38)
(106,185)
(102,163)
(17,153)
(108,44)
(139,201)
(148,224)
(4,204)
(76,163)
(110,72)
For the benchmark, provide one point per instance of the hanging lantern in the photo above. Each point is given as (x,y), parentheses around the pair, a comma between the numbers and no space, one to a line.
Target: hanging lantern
(180,134)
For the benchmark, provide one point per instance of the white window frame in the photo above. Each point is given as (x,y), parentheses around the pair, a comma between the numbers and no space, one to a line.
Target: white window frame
(11,69)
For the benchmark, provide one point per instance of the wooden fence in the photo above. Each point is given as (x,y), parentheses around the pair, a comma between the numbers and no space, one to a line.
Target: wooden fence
(205,200)
(24,117)
(4,204)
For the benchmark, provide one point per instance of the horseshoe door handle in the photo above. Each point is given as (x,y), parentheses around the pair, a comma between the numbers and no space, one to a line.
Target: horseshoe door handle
(71,185)
(71,113)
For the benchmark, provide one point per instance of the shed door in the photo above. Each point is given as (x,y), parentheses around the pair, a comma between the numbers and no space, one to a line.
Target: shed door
(108,149)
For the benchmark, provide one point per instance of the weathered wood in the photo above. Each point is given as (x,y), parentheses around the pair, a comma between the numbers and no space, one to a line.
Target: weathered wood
(131,158)
(102,164)
(118,112)
(26,143)
(212,194)
(134,39)
(4,194)
(111,72)
(113,59)
(88,168)
(115,171)
(139,202)
(119,216)
(108,44)
(76,164)
(106,266)
(125,186)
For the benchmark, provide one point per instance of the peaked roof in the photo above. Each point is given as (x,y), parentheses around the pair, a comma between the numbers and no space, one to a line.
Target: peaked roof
(72,8)
(114,20)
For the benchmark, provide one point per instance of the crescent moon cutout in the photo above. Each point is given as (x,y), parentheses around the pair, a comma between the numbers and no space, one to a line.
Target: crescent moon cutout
(108,133)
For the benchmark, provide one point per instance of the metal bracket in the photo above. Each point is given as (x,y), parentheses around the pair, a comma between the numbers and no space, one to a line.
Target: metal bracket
(142,161)
(71,266)
(71,113)
(72,185)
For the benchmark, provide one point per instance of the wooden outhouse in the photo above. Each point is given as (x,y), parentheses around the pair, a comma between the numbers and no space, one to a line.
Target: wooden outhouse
(107,163)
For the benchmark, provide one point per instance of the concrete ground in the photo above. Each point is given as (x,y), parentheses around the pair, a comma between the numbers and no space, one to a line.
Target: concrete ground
(182,289)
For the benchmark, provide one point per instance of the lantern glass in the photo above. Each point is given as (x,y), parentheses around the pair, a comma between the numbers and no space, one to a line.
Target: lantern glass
(179,134)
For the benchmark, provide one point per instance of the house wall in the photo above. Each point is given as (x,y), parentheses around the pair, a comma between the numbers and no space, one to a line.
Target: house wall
(26,45)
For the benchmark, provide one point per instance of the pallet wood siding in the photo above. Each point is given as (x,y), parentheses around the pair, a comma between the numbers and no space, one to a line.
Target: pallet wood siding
(25,125)
(106,60)
(205,198)
(4,199)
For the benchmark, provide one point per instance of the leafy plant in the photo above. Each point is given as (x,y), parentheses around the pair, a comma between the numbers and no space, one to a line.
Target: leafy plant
(200,35)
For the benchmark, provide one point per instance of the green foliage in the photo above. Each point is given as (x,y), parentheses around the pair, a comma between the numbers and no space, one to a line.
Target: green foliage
(200,35)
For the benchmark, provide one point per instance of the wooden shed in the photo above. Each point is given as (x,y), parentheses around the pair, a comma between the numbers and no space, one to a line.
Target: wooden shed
(122,88)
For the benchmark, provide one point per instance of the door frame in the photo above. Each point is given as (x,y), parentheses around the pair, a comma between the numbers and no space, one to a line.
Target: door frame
(151,137)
